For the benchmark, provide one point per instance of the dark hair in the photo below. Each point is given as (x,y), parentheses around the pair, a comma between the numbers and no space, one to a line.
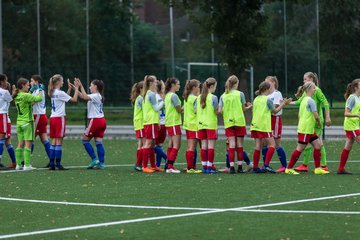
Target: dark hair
(37,78)
(169,82)
(190,84)
(205,90)
(230,83)
(263,86)
(351,88)
(100,87)
(19,85)
(136,91)
(3,79)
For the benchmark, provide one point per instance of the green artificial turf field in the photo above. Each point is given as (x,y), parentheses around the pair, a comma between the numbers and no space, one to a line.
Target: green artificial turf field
(119,203)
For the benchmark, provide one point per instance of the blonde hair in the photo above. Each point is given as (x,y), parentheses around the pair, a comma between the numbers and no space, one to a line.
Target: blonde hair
(135,91)
(205,90)
(190,84)
(52,82)
(313,76)
(146,85)
(274,80)
(230,83)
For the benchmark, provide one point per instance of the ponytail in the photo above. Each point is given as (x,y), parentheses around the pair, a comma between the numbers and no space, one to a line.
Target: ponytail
(52,82)
(19,85)
(274,80)
(230,83)
(100,87)
(135,91)
(169,83)
(351,88)
(313,76)
(147,80)
(205,90)
(190,84)
(263,86)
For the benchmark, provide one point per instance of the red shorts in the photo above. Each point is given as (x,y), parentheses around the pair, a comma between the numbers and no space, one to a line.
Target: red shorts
(151,131)
(307,138)
(173,130)
(276,126)
(258,134)
(204,134)
(235,131)
(139,133)
(8,132)
(95,128)
(40,122)
(57,127)
(352,134)
(162,135)
(191,134)
(3,123)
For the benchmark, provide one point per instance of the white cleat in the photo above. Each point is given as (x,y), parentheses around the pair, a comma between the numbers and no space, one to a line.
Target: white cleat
(172,170)
(28,168)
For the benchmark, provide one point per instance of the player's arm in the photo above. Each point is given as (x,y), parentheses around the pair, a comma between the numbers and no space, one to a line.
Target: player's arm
(322,99)
(221,105)
(176,103)
(349,107)
(75,86)
(82,93)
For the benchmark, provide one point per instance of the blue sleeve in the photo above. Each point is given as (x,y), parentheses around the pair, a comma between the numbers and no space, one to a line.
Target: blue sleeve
(221,102)
(311,105)
(139,103)
(215,102)
(157,106)
(242,98)
(270,104)
(351,102)
(175,100)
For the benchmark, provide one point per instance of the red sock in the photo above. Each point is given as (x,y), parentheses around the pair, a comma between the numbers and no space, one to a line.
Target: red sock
(139,157)
(173,154)
(168,152)
(240,153)
(344,157)
(145,158)
(211,155)
(256,158)
(317,157)
(269,154)
(231,152)
(190,159)
(203,155)
(294,157)
(152,157)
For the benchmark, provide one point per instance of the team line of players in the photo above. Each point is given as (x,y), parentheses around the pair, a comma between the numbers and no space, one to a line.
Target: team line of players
(158,109)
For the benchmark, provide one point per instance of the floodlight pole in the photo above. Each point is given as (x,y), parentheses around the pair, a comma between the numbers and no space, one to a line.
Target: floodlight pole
(87,47)
(38,35)
(131,44)
(1,41)
(318,38)
(285,49)
(172,38)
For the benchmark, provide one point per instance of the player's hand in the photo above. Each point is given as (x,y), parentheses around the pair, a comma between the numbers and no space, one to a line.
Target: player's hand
(328,121)
(41,87)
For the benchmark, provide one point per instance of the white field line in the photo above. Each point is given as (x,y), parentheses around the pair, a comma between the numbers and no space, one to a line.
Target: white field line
(131,165)
(248,208)
(109,205)
(298,211)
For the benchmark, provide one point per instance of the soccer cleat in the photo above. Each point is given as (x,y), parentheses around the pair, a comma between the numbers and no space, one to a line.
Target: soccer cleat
(240,170)
(258,170)
(100,166)
(52,168)
(193,171)
(269,169)
(3,167)
(343,172)
(12,166)
(249,167)
(19,167)
(157,169)
(138,168)
(302,168)
(291,171)
(325,168)
(92,164)
(212,170)
(28,168)
(320,171)
(281,169)
(172,170)
(61,168)
(232,170)
(224,170)
(147,170)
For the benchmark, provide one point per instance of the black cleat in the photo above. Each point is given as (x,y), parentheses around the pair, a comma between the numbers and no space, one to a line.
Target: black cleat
(51,168)
(240,170)
(232,170)
(61,168)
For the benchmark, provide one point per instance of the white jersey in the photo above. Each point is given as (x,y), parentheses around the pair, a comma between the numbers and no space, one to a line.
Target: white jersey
(162,111)
(5,99)
(95,106)
(276,97)
(58,100)
(39,107)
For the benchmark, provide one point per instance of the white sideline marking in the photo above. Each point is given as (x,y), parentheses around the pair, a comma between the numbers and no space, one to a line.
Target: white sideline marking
(174,216)
(298,211)
(109,205)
